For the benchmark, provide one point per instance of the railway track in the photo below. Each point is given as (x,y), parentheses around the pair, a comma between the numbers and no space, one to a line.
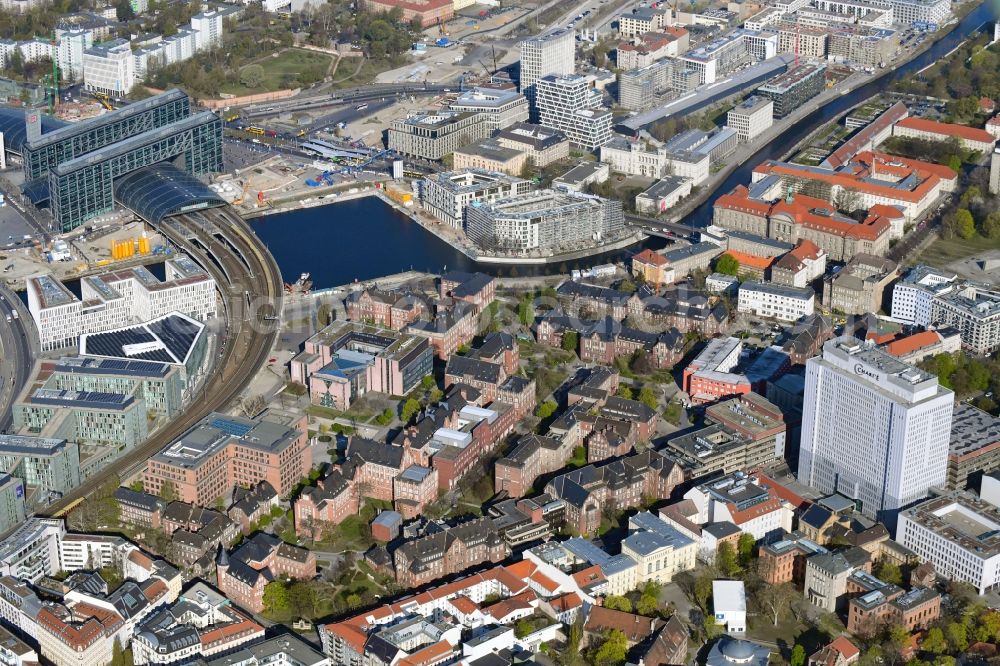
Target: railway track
(251,290)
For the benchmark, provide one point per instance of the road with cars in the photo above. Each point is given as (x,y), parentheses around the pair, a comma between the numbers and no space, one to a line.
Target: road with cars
(18,347)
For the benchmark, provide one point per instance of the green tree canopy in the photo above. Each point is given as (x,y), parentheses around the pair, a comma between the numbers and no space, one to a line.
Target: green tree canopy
(570,340)
(276,597)
(798,656)
(612,650)
(252,76)
(648,397)
(624,392)
(410,409)
(966,224)
(727,265)
(618,602)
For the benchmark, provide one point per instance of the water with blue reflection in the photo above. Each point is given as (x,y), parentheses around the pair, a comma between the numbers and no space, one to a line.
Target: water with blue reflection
(366,238)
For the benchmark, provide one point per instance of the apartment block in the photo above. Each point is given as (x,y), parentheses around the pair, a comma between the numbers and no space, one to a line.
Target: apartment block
(115,300)
(434,134)
(446,195)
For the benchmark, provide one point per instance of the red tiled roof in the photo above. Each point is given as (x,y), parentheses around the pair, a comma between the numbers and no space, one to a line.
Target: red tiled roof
(432,654)
(781,491)
(751,261)
(844,646)
(635,627)
(567,602)
(946,129)
(502,609)
(464,604)
(850,148)
(912,343)
(647,256)
(806,249)
(591,574)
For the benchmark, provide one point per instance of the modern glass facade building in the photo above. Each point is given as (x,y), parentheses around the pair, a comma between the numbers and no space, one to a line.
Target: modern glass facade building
(77,139)
(83,187)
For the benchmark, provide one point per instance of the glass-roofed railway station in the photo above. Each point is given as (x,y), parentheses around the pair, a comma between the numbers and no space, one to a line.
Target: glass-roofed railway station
(145,156)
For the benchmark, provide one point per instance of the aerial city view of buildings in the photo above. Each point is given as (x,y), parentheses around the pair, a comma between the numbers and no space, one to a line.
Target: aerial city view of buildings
(712,378)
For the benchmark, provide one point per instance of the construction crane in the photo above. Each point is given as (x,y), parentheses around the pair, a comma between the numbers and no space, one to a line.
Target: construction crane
(243,195)
(442,30)
(104,100)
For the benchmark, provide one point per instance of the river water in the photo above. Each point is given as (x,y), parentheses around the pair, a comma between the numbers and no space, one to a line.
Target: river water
(366,238)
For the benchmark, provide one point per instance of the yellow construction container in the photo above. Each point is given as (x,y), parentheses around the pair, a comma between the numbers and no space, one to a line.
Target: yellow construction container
(103,262)
(143,245)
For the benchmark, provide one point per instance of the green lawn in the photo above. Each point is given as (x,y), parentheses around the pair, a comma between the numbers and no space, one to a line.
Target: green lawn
(282,70)
(942,252)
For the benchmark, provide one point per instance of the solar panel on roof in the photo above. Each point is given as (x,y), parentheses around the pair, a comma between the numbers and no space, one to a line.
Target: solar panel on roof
(234,428)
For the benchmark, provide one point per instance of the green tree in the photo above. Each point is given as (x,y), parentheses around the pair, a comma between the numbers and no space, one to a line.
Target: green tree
(955,163)
(958,636)
(988,627)
(276,597)
(618,602)
(966,224)
(648,397)
(934,641)
(744,548)
(726,560)
(647,605)
(624,392)
(798,657)
(124,11)
(427,383)
(991,225)
(252,76)
(612,650)
(703,591)
(410,409)
(546,409)
(385,418)
(526,311)
(727,265)
(138,486)
(889,572)
(168,491)
(353,600)
(570,340)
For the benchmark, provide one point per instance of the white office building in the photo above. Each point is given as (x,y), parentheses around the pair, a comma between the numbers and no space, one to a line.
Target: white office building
(207,27)
(651,159)
(776,301)
(568,103)
(551,53)
(960,534)
(501,108)
(117,300)
(109,68)
(913,296)
(446,195)
(874,429)
(751,118)
(729,603)
(70,49)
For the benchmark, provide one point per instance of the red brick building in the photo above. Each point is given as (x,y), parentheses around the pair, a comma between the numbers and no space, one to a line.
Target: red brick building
(224,451)
(324,505)
(428,12)
(447,552)
(448,330)
(389,309)
(871,612)
(243,574)
(477,289)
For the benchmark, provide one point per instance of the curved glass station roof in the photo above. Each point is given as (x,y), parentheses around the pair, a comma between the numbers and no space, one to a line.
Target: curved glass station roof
(160,190)
(14,131)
